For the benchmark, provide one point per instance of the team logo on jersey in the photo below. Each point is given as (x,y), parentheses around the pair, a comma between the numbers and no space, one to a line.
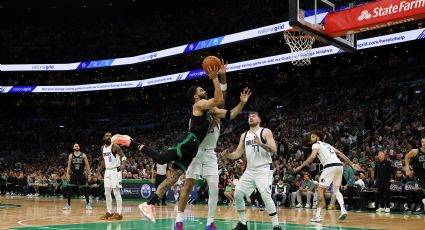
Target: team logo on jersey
(146,191)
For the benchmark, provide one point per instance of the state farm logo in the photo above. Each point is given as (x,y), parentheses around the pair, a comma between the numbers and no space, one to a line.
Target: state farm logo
(364,15)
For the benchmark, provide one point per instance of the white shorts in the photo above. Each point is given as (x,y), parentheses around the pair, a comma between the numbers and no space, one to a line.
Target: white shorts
(260,178)
(204,164)
(113,178)
(331,175)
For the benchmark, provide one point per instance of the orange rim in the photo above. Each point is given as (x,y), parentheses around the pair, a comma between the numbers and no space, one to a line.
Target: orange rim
(292,30)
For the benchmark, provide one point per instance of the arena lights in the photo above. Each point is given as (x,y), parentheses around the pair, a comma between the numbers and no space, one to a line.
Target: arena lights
(205,44)
(260,62)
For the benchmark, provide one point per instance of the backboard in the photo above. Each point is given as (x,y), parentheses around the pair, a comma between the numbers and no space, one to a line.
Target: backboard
(308,16)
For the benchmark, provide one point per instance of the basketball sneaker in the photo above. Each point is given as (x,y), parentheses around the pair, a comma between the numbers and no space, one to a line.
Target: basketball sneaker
(148,211)
(125,140)
(211,227)
(241,226)
(106,216)
(115,216)
(331,207)
(343,215)
(380,210)
(277,227)
(316,219)
(67,207)
(387,210)
(89,207)
(178,226)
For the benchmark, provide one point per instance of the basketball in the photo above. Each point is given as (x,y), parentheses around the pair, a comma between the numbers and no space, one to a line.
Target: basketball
(211,62)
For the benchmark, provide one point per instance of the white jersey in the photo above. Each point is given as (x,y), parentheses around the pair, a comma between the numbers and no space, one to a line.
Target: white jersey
(256,156)
(326,153)
(112,160)
(211,139)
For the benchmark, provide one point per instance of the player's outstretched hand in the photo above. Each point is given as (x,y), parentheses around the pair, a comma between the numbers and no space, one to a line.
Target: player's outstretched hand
(225,153)
(213,72)
(297,169)
(245,94)
(222,70)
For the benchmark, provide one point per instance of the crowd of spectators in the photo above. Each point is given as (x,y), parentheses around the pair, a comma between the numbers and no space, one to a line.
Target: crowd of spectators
(361,115)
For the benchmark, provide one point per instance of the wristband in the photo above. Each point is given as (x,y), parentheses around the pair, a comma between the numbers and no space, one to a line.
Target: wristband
(124,159)
(223,87)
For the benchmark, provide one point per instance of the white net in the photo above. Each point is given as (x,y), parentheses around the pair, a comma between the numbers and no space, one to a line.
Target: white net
(300,44)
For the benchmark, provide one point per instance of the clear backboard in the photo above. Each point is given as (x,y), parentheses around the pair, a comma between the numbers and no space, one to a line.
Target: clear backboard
(307,16)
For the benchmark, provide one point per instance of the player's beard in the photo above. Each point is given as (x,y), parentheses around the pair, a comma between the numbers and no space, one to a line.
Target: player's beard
(253,124)
(205,97)
(107,142)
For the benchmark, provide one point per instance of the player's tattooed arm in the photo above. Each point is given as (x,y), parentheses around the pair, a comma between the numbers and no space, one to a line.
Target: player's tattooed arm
(409,156)
(233,113)
(101,165)
(223,82)
(117,149)
(68,167)
(347,160)
(88,170)
(309,160)
(171,179)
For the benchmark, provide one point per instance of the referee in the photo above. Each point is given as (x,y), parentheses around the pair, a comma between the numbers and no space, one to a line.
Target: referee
(159,173)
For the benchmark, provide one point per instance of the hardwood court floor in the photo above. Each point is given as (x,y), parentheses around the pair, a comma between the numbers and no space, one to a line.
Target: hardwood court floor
(47,213)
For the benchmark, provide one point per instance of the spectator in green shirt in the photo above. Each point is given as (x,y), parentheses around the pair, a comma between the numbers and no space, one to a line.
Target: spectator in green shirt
(348,188)
(306,189)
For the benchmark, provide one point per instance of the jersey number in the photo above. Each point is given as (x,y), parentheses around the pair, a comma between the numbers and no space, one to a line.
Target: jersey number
(331,150)
(256,148)
(77,166)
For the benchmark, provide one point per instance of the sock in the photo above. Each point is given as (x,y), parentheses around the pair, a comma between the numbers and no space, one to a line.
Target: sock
(340,199)
(69,194)
(241,215)
(180,216)
(270,206)
(108,197)
(318,212)
(86,195)
(118,198)
(240,205)
(154,199)
(210,220)
(275,221)
(212,197)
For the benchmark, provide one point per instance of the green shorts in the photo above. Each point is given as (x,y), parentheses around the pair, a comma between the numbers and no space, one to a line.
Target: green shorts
(186,150)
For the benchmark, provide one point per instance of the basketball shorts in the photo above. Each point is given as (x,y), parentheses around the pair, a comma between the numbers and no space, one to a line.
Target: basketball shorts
(204,164)
(186,151)
(331,175)
(260,178)
(78,180)
(113,178)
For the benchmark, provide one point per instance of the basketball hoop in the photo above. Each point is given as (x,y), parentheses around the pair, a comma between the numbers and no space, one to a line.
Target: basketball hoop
(300,44)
